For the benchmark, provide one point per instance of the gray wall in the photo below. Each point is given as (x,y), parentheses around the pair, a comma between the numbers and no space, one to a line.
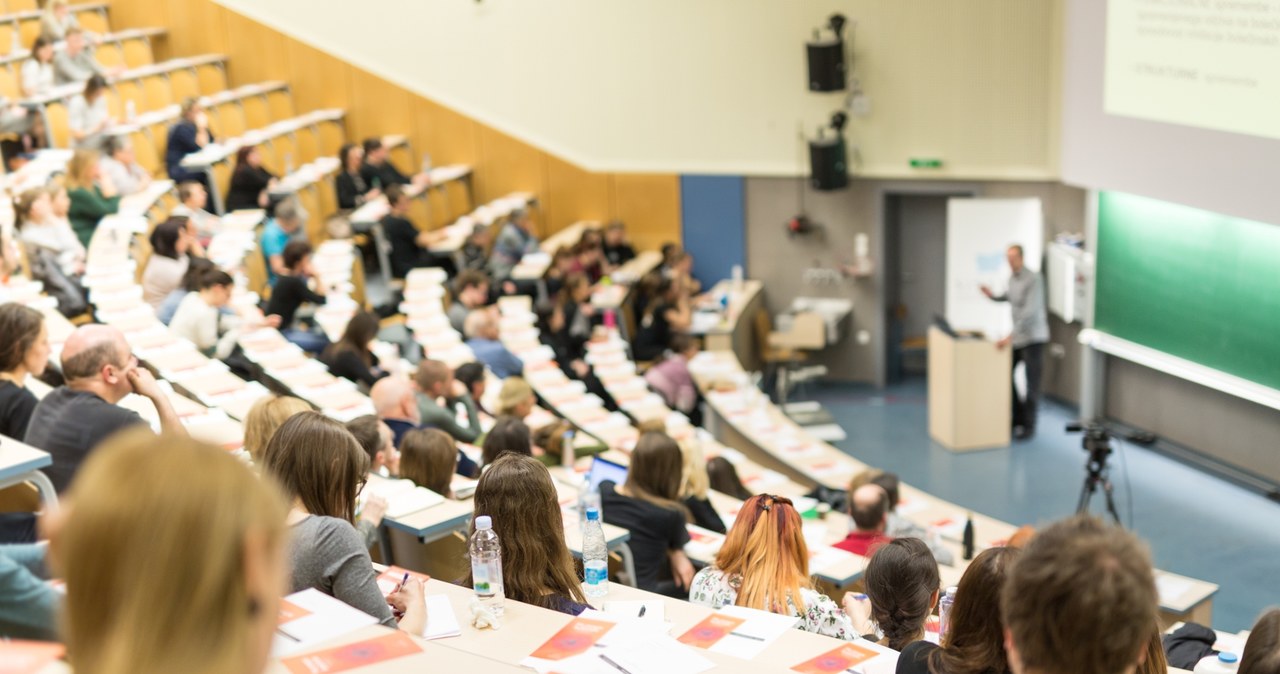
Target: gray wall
(1223,427)
(780,261)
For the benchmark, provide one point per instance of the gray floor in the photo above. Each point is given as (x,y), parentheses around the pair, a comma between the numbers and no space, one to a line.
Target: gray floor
(1197,525)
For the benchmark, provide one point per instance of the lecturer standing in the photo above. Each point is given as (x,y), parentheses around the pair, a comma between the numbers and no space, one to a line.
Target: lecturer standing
(1030,332)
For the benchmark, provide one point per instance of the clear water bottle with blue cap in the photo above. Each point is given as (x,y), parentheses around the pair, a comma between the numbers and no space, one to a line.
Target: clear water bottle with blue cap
(486,565)
(595,556)
(1222,663)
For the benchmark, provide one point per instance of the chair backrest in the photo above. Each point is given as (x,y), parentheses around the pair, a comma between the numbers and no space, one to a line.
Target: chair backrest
(93,20)
(28,31)
(109,54)
(16,6)
(144,148)
(129,90)
(256,112)
(137,52)
(8,33)
(156,92)
(281,104)
(58,123)
(9,84)
(230,120)
(212,77)
(183,84)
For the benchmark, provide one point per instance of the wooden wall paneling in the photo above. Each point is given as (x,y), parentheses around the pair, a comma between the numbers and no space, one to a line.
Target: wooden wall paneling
(316,79)
(649,204)
(575,194)
(450,137)
(257,52)
(195,27)
(377,107)
(508,165)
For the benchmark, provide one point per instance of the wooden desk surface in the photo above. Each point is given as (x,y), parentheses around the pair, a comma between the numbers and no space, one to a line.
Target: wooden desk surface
(435,656)
(18,458)
(526,627)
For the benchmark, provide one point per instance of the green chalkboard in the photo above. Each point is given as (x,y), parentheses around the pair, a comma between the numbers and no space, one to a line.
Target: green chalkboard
(1193,284)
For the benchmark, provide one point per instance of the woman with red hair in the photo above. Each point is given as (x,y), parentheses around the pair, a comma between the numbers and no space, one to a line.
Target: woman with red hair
(764,564)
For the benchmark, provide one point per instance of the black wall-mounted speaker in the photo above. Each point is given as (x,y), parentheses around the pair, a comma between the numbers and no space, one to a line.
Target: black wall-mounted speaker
(826,65)
(828,164)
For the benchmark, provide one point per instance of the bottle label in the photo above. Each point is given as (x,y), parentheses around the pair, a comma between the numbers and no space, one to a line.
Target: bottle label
(596,576)
(480,579)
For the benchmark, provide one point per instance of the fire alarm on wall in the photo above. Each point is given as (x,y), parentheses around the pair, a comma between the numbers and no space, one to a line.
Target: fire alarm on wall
(799,224)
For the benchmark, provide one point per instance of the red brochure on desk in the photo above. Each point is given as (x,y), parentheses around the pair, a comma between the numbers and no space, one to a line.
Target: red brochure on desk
(837,660)
(573,639)
(24,657)
(353,656)
(711,630)
(390,579)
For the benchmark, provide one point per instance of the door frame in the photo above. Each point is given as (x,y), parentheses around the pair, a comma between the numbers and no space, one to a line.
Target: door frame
(883,193)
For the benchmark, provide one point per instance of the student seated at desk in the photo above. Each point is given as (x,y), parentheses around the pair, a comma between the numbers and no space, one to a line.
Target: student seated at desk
(28,603)
(869,508)
(396,403)
(764,564)
(897,526)
(1262,648)
(57,19)
(100,370)
(210,554)
(617,250)
(668,313)
(121,164)
(75,63)
(87,116)
(410,246)
(515,398)
(435,381)
(974,642)
(671,378)
(378,171)
(470,292)
(24,350)
(38,74)
(1057,617)
(482,336)
(515,240)
(517,494)
(694,486)
(351,357)
(509,435)
(475,251)
(196,268)
(290,292)
(173,244)
(189,135)
(429,457)
(588,257)
(352,189)
(550,440)
(201,321)
(264,417)
(250,181)
(384,461)
(902,585)
(322,467)
(193,198)
(473,377)
(724,478)
(648,505)
(39,227)
(284,223)
(93,195)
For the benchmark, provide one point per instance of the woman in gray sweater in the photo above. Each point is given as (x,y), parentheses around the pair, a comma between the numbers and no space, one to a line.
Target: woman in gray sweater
(321,467)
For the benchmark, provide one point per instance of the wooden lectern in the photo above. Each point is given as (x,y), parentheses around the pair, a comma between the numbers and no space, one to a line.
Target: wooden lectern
(969,392)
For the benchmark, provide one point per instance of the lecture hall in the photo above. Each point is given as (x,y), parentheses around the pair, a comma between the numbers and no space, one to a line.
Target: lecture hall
(651,337)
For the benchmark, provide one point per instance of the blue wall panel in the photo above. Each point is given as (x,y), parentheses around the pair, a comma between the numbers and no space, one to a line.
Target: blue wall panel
(713,213)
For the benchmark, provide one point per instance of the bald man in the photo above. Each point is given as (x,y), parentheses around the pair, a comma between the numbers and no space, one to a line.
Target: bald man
(869,508)
(100,371)
(395,403)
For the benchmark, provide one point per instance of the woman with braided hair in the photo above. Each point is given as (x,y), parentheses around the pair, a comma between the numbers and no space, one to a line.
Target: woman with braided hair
(902,583)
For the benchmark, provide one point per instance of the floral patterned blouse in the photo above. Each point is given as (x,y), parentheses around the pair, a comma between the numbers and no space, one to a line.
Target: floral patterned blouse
(713,588)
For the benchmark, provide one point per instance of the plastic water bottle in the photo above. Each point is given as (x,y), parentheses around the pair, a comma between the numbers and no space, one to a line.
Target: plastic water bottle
(1222,663)
(944,611)
(486,565)
(595,556)
(566,449)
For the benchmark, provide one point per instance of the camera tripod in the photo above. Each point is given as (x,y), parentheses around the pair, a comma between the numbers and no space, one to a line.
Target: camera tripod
(1099,475)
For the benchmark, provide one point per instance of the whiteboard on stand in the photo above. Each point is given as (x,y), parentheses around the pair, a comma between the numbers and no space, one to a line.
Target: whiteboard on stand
(979,231)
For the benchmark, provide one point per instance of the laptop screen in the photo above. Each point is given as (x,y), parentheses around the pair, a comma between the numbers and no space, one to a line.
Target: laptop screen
(604,470)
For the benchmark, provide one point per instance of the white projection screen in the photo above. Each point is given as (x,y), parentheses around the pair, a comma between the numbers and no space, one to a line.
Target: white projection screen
(1175,99)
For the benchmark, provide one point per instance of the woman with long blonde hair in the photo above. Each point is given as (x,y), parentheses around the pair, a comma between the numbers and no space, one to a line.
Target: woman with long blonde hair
(516,492)
(764,564)
(266,415)
(93,195)
(165,574)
